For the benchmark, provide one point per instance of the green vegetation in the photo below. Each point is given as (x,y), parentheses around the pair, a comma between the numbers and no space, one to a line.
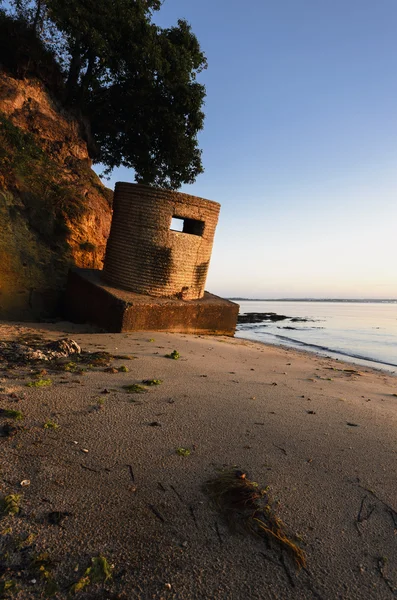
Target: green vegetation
(7,587)
(152,381)
(134,388)
(70,367)
(42,566)
(11,414)
(100,571)
(39,383)
(134,81)
(122,369)
(11,504)
(174,355)
(51,425)
(183,451)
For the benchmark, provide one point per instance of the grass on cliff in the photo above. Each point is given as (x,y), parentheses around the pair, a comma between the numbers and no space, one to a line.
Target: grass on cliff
(29,174)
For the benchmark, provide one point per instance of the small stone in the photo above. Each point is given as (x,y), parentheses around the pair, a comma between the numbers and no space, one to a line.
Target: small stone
(168,586)
(25,482)
(84,450)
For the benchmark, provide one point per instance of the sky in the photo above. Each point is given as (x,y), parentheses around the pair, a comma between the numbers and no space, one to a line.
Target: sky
(299,145)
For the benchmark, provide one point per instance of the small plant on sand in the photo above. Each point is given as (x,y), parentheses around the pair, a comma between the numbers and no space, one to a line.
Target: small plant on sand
(51,425)
(39,383)
(11,414)
(183,451)
(42,566)
(7,586)
(11,504)
(122,369)
(247,508)
(151,340)
(100,571)
(70,367)
(152,381)
(174,355)
(134,388)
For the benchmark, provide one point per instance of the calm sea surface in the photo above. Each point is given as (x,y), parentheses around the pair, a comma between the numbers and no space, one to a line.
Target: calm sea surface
(364,333)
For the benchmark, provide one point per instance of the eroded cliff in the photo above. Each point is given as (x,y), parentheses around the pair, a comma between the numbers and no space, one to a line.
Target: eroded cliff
(54,210)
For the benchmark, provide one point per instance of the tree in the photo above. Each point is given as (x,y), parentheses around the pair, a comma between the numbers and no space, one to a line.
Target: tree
(135,81)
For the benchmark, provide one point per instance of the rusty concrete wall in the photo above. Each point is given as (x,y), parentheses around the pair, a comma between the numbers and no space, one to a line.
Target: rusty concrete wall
(144,255)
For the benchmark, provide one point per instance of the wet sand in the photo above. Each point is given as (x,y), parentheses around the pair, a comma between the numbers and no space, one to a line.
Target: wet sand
(321,433)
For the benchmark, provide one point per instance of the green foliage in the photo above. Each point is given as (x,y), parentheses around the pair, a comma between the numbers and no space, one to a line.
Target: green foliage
(7,587)
(51,425)
(152,381)
(174,355)
(11,504)
(82,583)
(134,388)
(42,566)
(183,451)
(11,414)
(122,369)
(24,54)
(100,571)
(134,80)
(39,383)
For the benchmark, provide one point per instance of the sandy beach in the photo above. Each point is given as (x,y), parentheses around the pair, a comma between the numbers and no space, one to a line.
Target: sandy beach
(321,433)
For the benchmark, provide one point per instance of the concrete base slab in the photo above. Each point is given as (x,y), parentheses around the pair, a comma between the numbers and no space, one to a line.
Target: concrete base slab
(89,299)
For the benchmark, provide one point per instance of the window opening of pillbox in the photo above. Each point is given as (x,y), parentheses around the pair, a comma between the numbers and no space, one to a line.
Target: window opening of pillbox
(185,225)
(177,224)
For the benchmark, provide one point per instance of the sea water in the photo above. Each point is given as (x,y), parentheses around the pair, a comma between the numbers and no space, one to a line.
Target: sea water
(361,332)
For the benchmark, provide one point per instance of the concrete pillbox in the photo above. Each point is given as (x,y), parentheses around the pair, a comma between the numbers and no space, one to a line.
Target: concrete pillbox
(156,265)
(146,255)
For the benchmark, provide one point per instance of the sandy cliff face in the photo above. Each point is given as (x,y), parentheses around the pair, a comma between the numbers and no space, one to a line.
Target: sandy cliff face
(54,211)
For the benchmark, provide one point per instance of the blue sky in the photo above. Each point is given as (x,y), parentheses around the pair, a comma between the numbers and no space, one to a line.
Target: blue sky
(299,145)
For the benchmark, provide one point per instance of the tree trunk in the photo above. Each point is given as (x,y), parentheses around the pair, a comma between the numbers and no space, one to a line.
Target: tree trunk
(87,77)
(74,71)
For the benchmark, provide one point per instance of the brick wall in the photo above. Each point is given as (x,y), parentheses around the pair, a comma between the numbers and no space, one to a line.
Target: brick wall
(145,256)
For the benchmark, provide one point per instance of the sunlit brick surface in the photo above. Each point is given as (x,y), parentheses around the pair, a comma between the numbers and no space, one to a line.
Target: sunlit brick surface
(144,255)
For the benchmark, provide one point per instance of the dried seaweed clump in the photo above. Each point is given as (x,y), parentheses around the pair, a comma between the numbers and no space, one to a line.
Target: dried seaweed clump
(247,507)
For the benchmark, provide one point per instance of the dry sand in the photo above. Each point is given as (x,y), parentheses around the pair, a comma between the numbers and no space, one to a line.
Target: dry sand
(322,437)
